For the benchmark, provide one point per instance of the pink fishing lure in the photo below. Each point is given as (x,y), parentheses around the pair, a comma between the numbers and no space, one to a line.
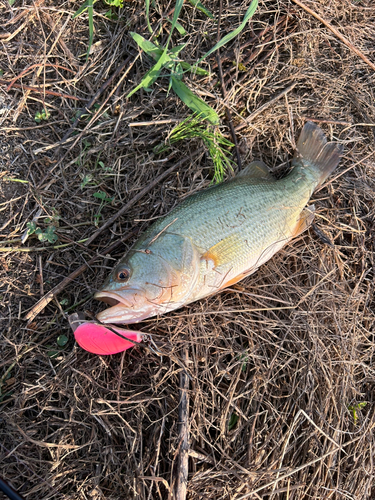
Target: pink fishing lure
(99,339)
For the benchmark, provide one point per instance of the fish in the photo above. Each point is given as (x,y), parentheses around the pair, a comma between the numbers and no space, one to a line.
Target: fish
(218,236)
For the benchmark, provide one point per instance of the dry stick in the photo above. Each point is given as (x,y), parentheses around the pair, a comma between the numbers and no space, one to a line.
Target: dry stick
(25,95)
(41,90)
(26,70)
(322,120)
(247,60)
(62,44)
(229,55)
(265,106)
(224,93)
(337,33)
(183,417)
(138,196)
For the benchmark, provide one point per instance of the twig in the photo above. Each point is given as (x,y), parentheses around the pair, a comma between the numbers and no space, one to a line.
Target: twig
(41,90)
(336,33)
(183,417)
(322,120)
(157,122)
(290,114)
(26,70)
(247,60)
(94,118)
(224,93)
(44,301)
(62,44)
(41,275)
(297,469)
(138,196)
(40,249)
(264,106)
(228,56)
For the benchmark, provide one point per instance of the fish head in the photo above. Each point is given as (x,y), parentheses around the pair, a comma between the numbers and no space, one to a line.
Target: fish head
(149,281)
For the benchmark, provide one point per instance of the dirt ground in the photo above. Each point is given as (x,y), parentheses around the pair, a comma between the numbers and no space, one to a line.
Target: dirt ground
(280,366)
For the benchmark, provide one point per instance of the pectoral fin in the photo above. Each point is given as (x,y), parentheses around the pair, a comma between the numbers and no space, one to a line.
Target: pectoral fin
(224,252)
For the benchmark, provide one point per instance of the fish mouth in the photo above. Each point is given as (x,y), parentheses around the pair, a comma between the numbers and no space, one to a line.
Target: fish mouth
(111,298)
(122,310)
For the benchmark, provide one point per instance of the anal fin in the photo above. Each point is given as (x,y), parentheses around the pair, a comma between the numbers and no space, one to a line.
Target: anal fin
(237,278)
(305,220)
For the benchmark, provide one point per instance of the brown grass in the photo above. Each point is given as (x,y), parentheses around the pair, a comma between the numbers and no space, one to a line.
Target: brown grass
(287,351)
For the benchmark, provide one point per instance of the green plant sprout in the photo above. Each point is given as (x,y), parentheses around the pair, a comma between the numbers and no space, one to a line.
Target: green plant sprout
(217,145)
(61,341)
(104,200)
(42,115)
(355,408)
(167,59)
(47,234)
(232,421)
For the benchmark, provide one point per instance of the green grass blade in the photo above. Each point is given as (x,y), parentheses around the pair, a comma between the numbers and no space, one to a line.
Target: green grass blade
(84,7)
(198,5)
(148,15)
(150,48)
(153,50)
(152,74)
(176,14)
(90,12)
(177,49)
(194,102)
(249,13)
(194,69)
(178,27)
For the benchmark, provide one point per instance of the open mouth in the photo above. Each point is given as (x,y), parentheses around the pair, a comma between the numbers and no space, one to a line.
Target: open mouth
(111,298)
(122,310)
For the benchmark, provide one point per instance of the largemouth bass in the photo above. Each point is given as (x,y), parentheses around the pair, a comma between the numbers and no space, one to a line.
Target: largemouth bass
(218,236)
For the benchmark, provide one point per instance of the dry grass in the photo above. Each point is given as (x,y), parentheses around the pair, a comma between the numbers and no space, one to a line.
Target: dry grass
(285,352)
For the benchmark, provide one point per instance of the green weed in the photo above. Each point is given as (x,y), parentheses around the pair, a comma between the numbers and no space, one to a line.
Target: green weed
(42,115)
(355,408)
(104,200)
(89,6)
(232,421)
(167,59)
(61,342)
(45,234)
(218,146)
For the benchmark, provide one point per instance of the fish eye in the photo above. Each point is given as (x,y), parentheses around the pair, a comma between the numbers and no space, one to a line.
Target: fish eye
(123,274)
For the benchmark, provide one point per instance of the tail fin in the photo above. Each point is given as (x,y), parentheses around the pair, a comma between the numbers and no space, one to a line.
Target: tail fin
(315,154)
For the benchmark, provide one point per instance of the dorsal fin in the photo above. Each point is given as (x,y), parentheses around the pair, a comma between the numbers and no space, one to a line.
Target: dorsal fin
(258,170)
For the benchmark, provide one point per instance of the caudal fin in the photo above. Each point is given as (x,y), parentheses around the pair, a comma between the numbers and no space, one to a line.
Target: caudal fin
(314,154)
